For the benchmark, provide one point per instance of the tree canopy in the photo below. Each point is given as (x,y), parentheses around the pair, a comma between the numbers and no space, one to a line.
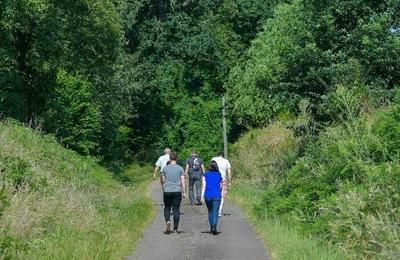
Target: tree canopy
(118,78)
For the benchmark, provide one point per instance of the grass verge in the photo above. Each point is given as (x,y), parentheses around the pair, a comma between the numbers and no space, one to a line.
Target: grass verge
(56,204)
(282,240)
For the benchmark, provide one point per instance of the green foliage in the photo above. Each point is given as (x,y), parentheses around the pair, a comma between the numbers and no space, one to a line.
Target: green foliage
(345,186)
(73,115)
(16,170)
(41,38)
(276,148)
(388,128)
(148,65)
(309,48)
(260,89)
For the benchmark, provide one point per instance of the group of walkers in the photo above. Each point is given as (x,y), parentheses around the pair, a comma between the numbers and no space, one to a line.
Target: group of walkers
(207,187)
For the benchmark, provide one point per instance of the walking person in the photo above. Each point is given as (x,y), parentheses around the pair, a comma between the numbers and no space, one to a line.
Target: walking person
(211,194)
(173,181)
(194,170)
(162,162)
(224,167)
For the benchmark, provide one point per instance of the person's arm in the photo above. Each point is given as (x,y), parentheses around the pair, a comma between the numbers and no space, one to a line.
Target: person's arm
(203,169)
(183,183)
(203,189)
(155,172)
(162,180)
(186,170)
(229,177)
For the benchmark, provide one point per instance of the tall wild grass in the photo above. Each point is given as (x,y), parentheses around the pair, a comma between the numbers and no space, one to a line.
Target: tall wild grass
(343,188)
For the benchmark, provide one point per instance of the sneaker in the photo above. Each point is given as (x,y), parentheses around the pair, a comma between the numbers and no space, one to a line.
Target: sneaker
(220,214)
(168,229)
(214,231)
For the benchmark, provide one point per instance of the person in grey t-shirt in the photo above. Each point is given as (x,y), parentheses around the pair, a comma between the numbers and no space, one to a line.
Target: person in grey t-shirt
(173,182)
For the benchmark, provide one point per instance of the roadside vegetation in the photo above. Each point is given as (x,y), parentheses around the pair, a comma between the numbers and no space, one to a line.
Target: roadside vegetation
(339,189)
(56,204)
(310,91)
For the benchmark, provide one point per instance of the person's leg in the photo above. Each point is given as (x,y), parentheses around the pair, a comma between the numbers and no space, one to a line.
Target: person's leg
(198,188)
(191,184)
(215,209)
(220,207)
(209,208)
(167,209)
(224,192)
(167,206)
(176,204)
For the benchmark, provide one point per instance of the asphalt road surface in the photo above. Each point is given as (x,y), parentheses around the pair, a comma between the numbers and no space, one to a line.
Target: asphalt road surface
(237,239)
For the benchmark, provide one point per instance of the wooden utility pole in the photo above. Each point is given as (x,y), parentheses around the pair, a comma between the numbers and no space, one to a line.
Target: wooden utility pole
(224,128)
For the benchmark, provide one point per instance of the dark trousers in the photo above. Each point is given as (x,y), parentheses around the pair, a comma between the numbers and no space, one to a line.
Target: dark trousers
(195,180)
(172,200)
(213,209)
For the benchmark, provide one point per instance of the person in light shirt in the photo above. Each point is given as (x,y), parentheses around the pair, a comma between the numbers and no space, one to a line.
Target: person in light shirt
(162,162)
(224,167)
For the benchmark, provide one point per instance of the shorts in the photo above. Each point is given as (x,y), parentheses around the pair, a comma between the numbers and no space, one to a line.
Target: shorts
(224,190)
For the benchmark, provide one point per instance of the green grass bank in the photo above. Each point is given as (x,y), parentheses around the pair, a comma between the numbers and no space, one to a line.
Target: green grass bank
(330,194)
(281,238)
(56,204)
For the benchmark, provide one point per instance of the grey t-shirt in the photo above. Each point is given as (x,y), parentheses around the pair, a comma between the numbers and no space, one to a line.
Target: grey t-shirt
(172,173)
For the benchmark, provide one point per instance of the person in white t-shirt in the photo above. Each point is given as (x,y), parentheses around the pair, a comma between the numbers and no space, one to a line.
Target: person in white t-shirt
(224,167)
(162,162)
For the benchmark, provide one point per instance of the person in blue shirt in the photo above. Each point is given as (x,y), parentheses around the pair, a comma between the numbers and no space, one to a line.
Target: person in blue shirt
(211,194)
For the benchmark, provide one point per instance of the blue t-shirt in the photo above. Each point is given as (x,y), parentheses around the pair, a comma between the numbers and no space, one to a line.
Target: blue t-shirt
(213,185)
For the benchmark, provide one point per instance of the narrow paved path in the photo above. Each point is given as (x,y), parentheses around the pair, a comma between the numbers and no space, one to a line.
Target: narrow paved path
(237,239)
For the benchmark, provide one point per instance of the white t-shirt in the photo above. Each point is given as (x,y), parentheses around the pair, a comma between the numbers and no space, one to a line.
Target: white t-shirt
(162,161)
(223,165)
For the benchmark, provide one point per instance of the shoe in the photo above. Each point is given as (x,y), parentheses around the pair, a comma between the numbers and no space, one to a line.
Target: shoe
(220,214)
(214,232)
(168,229)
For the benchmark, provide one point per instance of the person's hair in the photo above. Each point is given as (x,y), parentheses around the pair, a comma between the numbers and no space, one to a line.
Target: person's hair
(221,154)
(213,166)
(167,150)
(173,157)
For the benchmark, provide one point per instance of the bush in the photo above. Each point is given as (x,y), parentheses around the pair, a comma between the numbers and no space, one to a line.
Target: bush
(264,155)
(74,115)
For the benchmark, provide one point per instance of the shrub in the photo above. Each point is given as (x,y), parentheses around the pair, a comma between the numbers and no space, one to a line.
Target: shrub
(263,155)
(74,115)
